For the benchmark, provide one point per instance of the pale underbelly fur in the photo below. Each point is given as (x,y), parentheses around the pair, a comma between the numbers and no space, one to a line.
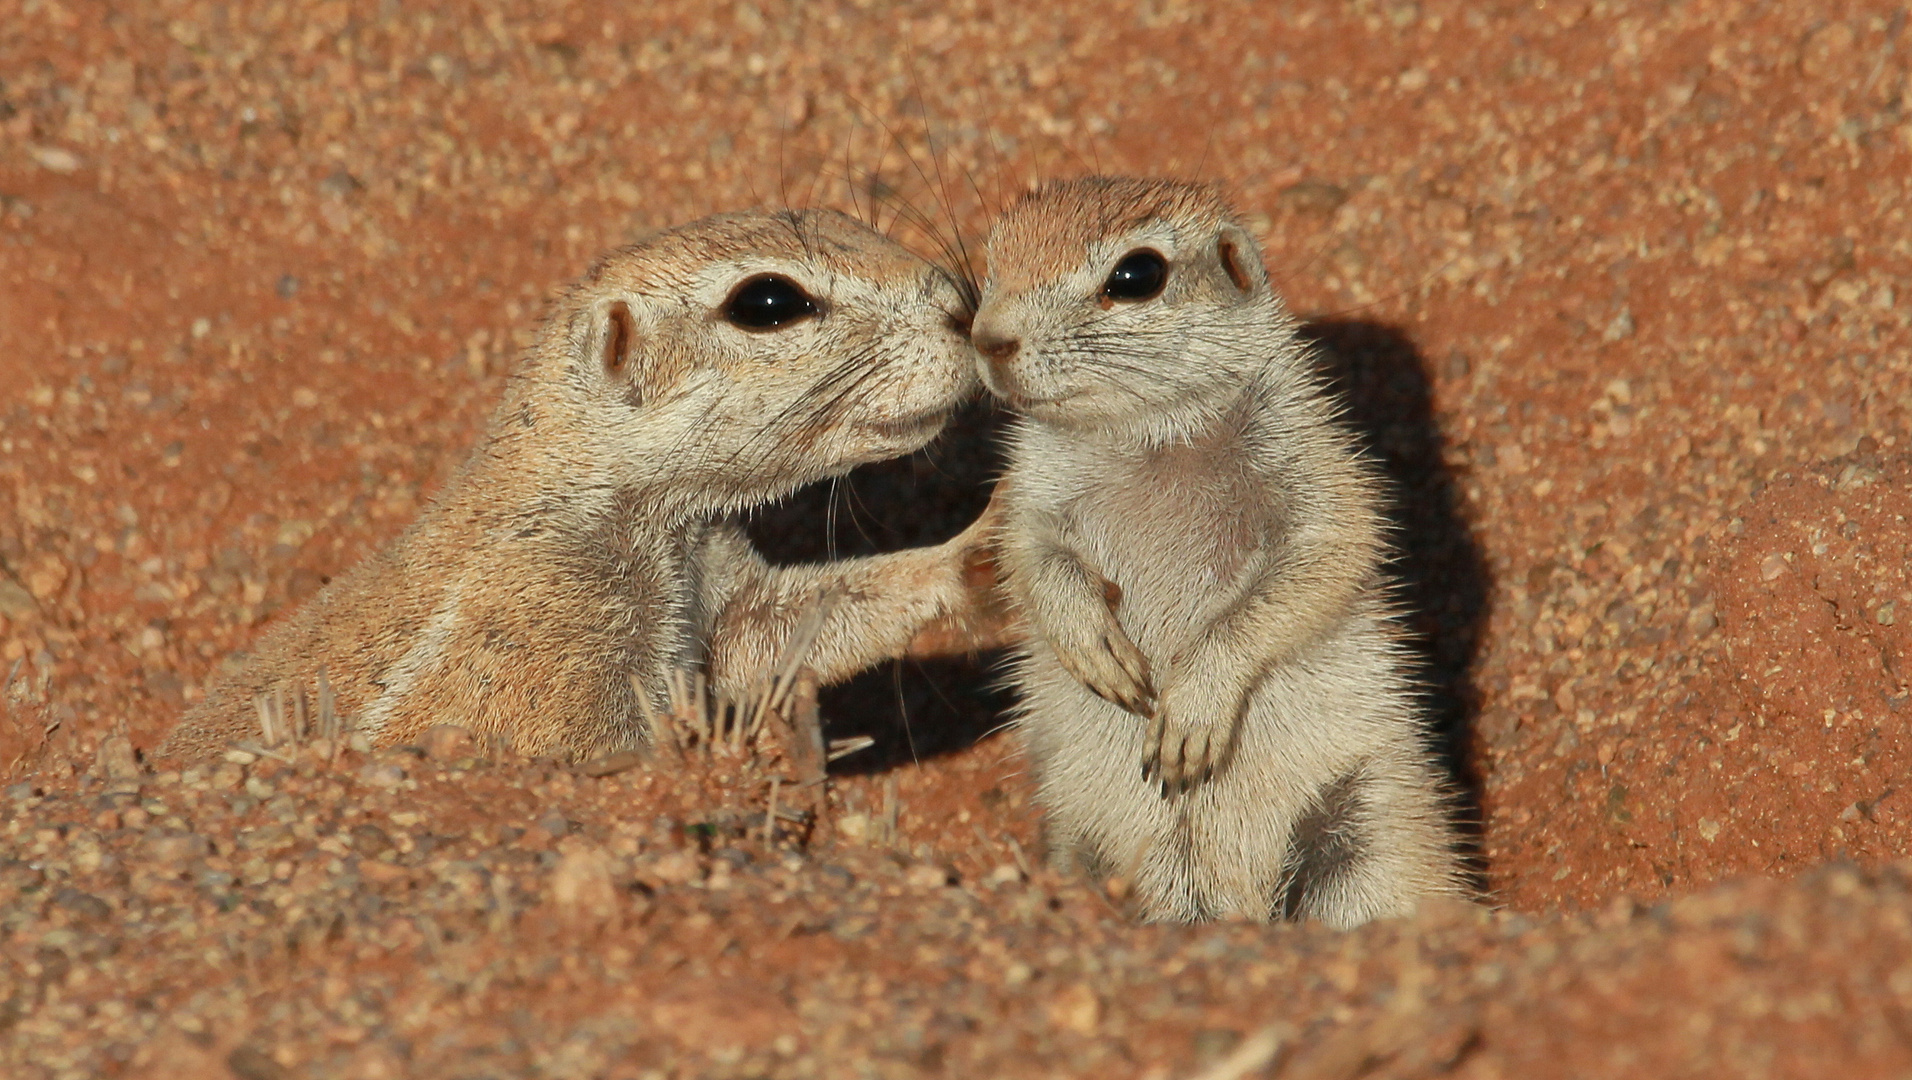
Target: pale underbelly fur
(1339,710)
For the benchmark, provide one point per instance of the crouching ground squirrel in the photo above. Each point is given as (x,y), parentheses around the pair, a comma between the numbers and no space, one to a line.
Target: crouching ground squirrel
(587,545)
(1211,692)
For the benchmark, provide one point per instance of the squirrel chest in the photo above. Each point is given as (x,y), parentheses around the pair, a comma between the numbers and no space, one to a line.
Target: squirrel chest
(1174,527)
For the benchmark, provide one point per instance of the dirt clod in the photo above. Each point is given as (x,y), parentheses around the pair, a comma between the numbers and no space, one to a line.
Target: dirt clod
(448,742)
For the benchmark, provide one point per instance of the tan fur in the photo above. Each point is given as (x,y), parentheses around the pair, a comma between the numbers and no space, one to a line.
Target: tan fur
(589,537)
(1212,693)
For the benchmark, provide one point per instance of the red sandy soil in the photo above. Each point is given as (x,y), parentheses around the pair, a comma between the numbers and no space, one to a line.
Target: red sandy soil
(1618,293)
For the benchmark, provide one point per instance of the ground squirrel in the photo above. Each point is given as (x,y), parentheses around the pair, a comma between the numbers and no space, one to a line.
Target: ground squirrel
(587,546)
(1211,693)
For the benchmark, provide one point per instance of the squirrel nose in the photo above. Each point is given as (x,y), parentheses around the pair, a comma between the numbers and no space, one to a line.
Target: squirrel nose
(997,349)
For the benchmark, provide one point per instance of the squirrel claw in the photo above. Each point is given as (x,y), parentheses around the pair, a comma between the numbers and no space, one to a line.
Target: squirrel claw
(1114,670)
(1183,757)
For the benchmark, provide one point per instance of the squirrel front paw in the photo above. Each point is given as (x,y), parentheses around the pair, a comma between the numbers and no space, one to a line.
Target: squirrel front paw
(979,616)
(1102,658)
(1186,742)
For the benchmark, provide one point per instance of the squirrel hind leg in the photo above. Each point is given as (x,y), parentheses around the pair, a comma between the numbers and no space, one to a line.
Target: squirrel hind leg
(1372,843)
(1071,853)
(1324,847)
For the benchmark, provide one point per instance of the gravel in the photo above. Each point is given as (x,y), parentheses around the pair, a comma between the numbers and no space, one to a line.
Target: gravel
(1616,292)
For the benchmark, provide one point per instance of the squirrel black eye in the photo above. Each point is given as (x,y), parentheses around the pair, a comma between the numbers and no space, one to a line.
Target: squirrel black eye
(768,302)
(1139,276)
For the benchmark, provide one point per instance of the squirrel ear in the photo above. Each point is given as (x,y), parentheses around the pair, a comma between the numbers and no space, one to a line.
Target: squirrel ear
(619,340)
(1241,259)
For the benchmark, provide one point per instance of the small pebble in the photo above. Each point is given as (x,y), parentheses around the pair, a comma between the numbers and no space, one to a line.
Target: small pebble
(676,868)
(927,876)
(448,742)
(383,774)
(581,884)
(176,848)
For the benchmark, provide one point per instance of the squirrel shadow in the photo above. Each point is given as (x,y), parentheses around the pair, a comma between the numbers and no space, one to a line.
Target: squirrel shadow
(1441,574)
(913,709)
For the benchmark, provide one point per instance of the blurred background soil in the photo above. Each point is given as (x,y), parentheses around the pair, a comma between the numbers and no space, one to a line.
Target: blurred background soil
(1618,294)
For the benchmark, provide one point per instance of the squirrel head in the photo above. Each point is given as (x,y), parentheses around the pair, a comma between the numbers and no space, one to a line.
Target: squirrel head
(748,354)
(1112,302)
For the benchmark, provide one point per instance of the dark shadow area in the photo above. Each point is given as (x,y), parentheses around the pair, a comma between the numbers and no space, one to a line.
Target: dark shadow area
(914,710)
(1444,580)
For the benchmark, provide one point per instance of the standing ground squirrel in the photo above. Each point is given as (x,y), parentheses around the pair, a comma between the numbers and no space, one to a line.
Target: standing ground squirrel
(587,546)
(1211,693)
